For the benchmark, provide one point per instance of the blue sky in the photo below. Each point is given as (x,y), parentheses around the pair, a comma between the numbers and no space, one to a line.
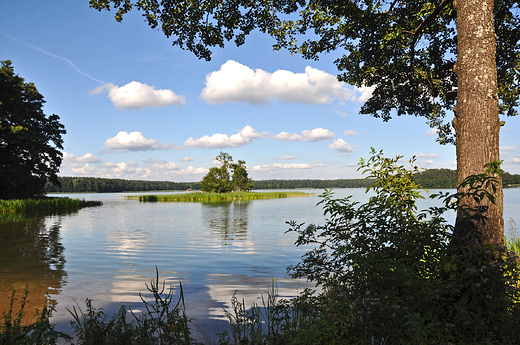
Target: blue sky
(135,107)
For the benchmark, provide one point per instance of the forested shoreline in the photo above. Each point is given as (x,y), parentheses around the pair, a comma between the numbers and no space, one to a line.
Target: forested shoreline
(434,178)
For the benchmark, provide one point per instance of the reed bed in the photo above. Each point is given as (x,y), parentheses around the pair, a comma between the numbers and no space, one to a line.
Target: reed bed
(215,197)
(46,205)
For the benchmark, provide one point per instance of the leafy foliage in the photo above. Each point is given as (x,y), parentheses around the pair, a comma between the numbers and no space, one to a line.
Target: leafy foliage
(404,50)
(30,141)
(393,275)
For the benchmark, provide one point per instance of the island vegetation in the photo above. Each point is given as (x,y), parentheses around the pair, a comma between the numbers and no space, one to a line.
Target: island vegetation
(213,197)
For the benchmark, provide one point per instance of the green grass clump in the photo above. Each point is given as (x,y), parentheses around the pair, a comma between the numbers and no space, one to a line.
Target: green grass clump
(215,197)
(44,206)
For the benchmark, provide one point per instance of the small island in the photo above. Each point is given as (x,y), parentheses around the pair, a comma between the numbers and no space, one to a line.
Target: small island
(211,197)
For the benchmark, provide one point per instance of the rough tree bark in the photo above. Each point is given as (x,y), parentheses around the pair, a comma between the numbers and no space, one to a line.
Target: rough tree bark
(476,121)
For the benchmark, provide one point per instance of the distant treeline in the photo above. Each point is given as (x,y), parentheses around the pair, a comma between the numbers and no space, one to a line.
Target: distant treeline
(446,178)
(434,178)
(109,185)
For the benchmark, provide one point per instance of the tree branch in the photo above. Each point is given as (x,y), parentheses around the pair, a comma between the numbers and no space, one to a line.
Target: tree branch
(417,32)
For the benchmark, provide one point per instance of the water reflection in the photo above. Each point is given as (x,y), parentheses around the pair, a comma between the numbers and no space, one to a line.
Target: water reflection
(32,254)
(229,219)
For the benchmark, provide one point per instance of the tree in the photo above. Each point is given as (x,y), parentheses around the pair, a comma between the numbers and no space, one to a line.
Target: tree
(29,140)
(420,57)
(220,180)
(241,181)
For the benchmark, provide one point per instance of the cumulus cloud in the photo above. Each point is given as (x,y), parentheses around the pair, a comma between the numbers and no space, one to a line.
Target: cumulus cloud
(426,155)
(287,157)
(134,141)
(86,158)
(278,167)
(152,169)
(286,136)
(364,93)
(307,135)
(431,132)
(243,137)
(187,159)
(428,161)
(136,95)
(349,132)
(317,134)
(235,82)
(341,145)
(507,148)
(515,160)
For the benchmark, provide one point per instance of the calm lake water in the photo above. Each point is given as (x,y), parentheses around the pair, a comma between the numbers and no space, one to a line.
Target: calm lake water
(108,253)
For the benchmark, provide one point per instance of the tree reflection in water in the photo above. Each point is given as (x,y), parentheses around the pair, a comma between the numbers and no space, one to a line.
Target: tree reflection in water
(228,219)
(32,254)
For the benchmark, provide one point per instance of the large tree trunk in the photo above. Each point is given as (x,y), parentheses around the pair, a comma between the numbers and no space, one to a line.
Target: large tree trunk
(476,120)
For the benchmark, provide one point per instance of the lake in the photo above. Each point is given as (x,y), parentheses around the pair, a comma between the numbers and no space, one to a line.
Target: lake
(108,253)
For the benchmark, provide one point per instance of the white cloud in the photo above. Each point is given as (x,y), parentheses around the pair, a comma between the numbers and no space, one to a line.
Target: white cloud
(427,155)
(365,93)
(243,137)
(431,132)
(507,148)
(134,141)
(317,134)
(86,158)
(349,132)
(286,136)
(187,159)
(235,82)
(152,170)
(307,135)
(278,167)
(349,165)
(515,160)
(287,157)
(428,161)
(341,145)
(135,95)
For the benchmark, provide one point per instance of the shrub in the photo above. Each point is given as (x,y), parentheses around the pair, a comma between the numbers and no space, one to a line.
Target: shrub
(393,275)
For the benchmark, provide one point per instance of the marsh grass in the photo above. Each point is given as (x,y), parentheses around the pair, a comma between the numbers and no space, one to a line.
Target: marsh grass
(43,206)
(216,197)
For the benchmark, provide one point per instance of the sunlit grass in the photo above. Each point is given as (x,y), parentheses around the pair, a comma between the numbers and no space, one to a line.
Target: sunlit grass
(209,197)
(46,205)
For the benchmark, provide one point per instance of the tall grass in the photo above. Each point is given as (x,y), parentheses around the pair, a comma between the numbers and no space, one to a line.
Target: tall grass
(513,241)
(46,205)
(211,197)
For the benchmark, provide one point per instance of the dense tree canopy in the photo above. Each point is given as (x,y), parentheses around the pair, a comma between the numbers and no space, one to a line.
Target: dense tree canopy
(230,176)
(30,141)
(420,58)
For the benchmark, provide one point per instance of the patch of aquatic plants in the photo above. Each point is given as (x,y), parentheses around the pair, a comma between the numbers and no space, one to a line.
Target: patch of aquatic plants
(216,197)
(163,322)
(43,206)
(14,331)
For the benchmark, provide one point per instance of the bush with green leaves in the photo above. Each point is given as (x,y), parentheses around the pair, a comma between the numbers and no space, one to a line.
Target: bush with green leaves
(391,274)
